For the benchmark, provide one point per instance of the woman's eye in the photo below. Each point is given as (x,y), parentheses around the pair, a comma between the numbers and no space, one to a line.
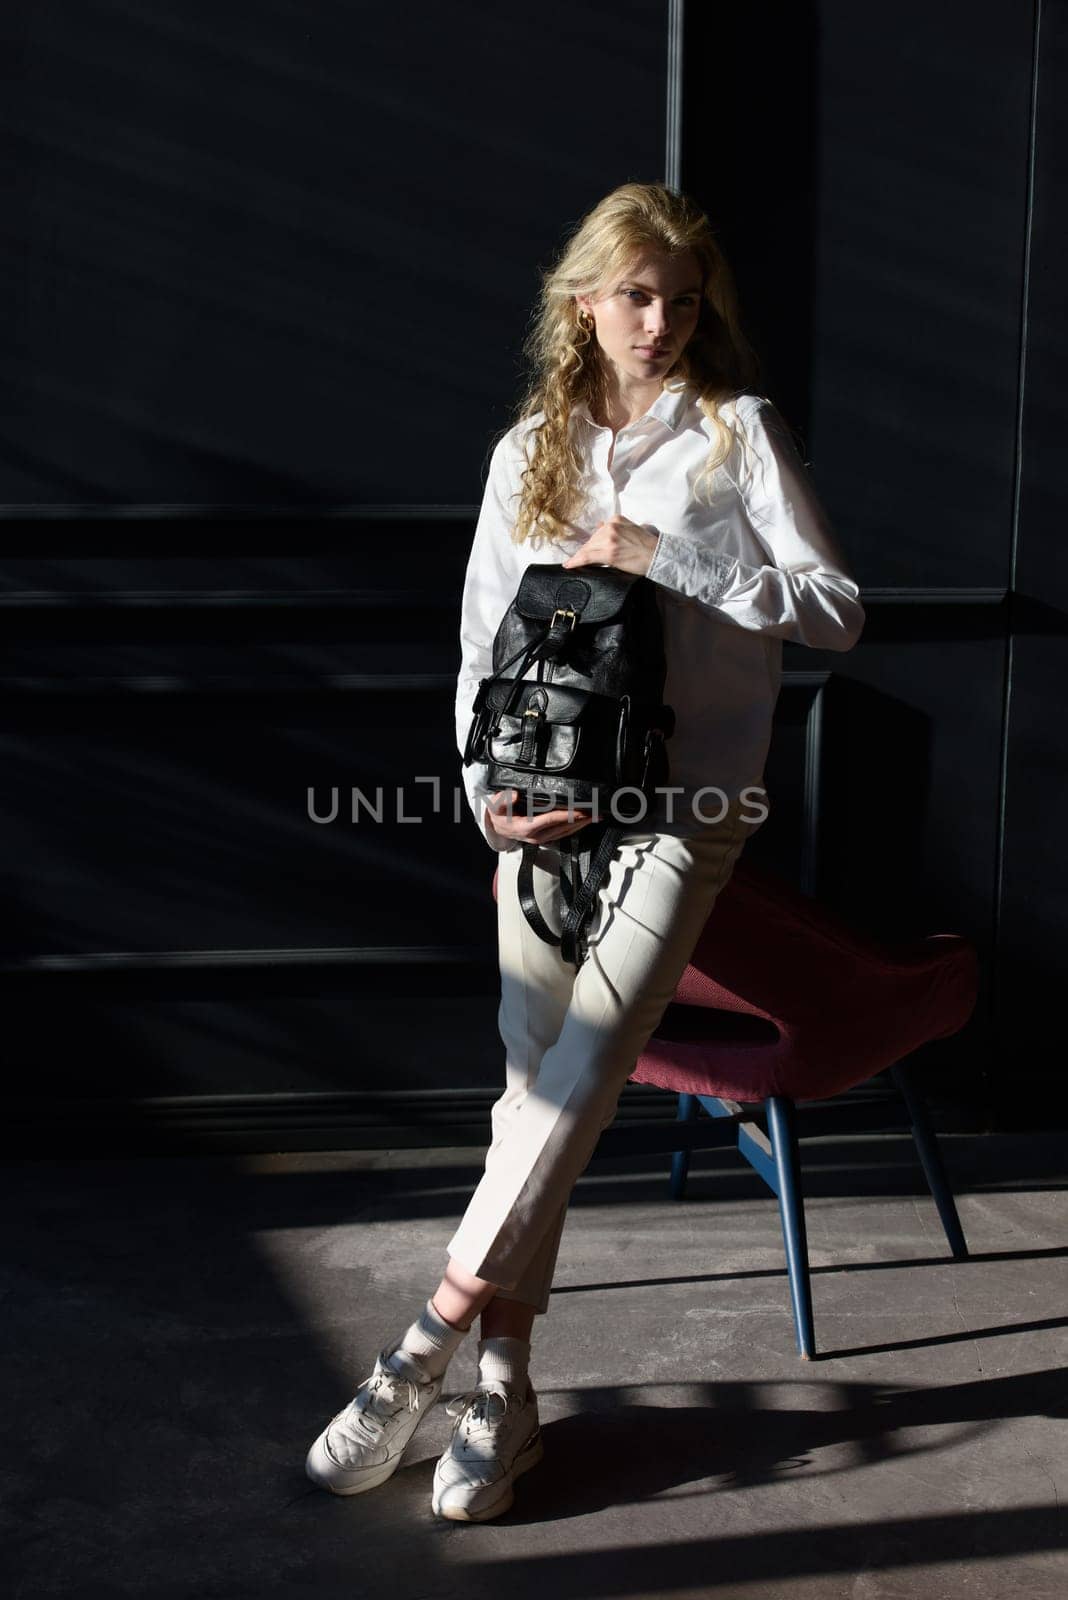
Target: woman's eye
(683,299)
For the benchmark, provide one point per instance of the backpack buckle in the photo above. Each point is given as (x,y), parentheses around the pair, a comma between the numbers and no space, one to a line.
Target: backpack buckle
(564,611)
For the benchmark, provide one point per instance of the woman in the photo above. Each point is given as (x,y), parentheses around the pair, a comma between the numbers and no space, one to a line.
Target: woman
(638,446)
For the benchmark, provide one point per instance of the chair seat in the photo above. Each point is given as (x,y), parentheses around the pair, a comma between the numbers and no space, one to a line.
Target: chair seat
(825,1006)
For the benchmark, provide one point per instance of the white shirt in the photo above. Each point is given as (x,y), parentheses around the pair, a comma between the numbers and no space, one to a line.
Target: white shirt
(737,575)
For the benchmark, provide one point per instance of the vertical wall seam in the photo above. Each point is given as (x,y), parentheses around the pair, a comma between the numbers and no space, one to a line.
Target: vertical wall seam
(1014,533)
(673,130)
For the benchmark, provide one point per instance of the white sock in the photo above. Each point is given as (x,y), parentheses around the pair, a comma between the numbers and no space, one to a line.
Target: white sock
(431,1340)
(504,1360)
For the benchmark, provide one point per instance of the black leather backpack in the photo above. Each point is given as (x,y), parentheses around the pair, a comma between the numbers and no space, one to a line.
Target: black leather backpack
(589,727)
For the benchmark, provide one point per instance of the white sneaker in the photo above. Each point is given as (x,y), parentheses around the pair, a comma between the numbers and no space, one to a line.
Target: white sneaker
(496,1437)
(362,1446)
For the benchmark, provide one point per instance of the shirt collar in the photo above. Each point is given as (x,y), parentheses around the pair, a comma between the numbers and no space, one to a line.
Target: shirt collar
(668,406)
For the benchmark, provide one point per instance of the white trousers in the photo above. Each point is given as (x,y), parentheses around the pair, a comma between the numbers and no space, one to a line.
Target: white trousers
(572,1039)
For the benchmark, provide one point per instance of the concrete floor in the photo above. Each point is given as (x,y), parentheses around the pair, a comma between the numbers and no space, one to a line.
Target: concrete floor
(176,1331)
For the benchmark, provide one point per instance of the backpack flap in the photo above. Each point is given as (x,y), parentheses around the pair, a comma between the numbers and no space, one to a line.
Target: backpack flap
(546,588)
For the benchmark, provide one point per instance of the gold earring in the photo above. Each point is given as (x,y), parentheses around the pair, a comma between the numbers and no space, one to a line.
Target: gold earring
(585,320)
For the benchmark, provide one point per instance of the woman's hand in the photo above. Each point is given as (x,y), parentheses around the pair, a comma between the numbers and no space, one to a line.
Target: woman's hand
(617,543)
(544,828)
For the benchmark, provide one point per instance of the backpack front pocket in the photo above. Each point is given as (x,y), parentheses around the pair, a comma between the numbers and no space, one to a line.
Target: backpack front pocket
(541,727)
(531,741)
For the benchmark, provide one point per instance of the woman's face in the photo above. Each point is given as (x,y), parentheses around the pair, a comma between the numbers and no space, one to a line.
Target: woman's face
(645,317)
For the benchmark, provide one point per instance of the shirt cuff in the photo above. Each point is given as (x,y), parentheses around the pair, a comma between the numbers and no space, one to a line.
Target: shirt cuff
(496,841)
(690,569)
(477,795)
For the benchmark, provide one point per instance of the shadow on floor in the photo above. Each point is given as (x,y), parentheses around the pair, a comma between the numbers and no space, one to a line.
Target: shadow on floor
(176,1332)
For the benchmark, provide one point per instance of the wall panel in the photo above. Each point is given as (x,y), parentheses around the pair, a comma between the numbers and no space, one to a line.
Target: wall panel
(273,281)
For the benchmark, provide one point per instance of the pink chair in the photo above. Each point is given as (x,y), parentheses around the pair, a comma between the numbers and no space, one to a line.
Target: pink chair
(784,1001)
(827,1007)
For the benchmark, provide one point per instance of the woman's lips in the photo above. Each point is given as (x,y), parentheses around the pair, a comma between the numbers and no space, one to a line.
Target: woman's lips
(649,352)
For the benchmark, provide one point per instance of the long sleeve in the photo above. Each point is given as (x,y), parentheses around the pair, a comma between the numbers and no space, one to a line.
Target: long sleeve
(490,583)
(806,593)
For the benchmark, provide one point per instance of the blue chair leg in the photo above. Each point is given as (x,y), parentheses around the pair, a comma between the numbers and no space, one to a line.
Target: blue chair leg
(931,1159)
(782,1126)
(680,1161)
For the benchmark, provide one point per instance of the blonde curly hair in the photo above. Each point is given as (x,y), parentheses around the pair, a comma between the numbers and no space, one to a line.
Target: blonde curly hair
(566,362)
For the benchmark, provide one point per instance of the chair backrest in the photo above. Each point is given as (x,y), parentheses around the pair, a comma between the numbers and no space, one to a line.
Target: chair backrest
(820,1005)
(770,948)
(843,1004)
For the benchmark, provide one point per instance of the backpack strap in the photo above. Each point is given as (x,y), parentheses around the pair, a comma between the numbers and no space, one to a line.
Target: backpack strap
(584,863)
(525,889)
(583,866)
(572,934)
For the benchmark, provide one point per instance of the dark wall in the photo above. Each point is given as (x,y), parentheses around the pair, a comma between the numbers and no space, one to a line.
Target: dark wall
(892,213)
(272,268)
(253,238)
(1033,864)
